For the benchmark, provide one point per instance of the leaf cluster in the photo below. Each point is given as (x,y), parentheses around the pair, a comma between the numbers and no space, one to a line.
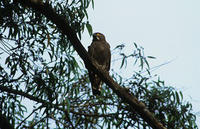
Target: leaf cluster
(43,85)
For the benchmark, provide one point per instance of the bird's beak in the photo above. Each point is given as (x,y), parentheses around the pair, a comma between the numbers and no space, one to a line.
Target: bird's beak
(97,37)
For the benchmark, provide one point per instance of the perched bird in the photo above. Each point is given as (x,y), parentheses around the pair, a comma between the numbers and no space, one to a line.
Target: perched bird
(99,50)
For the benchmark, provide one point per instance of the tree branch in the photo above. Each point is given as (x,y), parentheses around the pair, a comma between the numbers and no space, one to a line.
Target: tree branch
(43,102)
(4,123)
(94,114)
(27,117)
(17,92)
(63,25)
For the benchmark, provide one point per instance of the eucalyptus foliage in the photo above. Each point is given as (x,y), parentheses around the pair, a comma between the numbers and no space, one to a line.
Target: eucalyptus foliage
(44,85)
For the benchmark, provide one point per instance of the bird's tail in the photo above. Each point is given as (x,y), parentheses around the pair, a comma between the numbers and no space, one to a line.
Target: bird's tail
(96,86)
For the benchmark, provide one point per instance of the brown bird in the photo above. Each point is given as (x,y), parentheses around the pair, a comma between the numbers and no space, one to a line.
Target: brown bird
(99,50)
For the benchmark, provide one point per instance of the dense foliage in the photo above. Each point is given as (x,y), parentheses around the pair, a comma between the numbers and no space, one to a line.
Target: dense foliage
(44,85)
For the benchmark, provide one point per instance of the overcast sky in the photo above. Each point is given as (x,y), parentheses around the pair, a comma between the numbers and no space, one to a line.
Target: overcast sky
(167,29)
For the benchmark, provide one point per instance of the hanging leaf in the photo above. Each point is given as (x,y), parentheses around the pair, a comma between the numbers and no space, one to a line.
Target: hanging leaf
(89,28)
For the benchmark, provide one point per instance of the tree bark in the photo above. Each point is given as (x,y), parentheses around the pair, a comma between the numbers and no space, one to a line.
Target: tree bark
(4,123)
(63,25)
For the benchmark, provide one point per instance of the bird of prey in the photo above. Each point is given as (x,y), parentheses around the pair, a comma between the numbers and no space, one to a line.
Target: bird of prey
(99,50)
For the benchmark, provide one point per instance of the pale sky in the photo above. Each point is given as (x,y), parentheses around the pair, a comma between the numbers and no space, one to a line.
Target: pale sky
(167,29)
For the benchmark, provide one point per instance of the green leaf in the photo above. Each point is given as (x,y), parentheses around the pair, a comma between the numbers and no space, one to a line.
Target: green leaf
(141,63)
(89,28)
(120,46)
(68,104)
(85,12)
(152,57)
(135,45)
(93,4)
(177,98)
(181,94)
(146,62)
(123,61)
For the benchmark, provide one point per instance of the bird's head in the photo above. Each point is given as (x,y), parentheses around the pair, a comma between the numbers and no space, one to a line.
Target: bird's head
(98,37)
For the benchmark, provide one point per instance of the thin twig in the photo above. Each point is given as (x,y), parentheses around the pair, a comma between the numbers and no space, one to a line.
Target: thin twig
(27,117)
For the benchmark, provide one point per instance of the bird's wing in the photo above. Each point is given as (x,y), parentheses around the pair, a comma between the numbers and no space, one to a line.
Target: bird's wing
(109,58)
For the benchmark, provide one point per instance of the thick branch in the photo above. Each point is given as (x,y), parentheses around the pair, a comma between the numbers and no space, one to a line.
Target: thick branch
(4,123)
(63,25)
